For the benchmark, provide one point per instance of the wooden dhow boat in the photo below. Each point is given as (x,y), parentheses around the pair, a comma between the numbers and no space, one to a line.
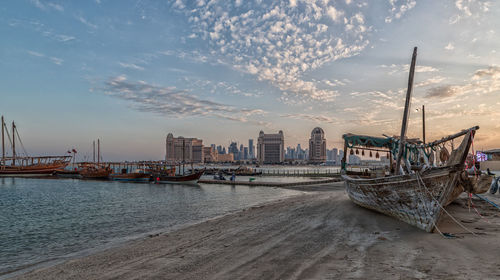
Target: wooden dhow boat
(95,170)
(139,175)
(27,166)
(192,178)
(418,193)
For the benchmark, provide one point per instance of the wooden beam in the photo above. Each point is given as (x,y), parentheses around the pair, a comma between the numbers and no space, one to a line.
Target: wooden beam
(404,124)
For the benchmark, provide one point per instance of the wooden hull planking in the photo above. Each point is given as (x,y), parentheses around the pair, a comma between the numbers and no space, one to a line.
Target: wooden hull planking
(405,198)
(186,179)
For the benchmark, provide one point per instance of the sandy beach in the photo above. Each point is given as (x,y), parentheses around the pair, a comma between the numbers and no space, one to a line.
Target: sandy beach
(319,234)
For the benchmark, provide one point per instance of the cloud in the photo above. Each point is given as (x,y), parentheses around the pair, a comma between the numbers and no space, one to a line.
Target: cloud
(482,81)
(449,47)
(279,42)
(442,91)
(405,68)
(313,118)
(470,9)
(86,22)
(173,102)
(33,53)
(52,59)
(399,8)
(131,66)
(47,6)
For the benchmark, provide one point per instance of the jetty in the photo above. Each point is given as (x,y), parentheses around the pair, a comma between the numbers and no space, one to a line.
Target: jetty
(270,184)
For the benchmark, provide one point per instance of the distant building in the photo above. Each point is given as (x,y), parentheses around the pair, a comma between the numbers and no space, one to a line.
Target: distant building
(233,149)
(317,146)
(180,149)
(251,149)
(209,154)
(339,157)
(245,153)
(271,148)
(225,158)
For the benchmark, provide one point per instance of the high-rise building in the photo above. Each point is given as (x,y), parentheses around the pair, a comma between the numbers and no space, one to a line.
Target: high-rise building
(180,149)
(251,149)
(233,149)
(339,157)
(271,148)
(317,146)
(245,153)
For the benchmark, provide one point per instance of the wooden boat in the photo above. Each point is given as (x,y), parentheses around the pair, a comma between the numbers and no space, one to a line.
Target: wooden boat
(96,172)
(93,170)
(139,175)
(26,166)
(179,179)
(418,193)
(74,174)
(416,198)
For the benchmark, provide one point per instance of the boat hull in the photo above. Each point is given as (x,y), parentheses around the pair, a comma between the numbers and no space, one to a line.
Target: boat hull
(31,171)
(131,177)
(405,197)
(186,179)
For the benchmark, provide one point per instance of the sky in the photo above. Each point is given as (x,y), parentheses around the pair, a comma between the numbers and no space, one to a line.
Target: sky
(129,72)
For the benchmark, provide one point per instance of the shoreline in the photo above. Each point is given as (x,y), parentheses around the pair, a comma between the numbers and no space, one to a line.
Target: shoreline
(310,235)
(127,240)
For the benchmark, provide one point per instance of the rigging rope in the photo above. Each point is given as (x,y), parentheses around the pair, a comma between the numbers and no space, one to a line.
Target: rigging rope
(419,177)
(20,141)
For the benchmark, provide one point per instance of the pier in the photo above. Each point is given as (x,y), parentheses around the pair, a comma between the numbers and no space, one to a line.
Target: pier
(270,184)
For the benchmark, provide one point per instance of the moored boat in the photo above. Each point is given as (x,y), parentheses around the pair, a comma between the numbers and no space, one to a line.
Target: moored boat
(178,179)
(27,166)
(138,176)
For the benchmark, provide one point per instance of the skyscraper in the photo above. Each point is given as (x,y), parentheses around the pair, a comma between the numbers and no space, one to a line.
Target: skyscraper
(233,149)
(271,148)
(317,146)
(251,150)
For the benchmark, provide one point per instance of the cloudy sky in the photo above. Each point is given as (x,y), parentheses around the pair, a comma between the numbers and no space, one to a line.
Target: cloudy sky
(129,72)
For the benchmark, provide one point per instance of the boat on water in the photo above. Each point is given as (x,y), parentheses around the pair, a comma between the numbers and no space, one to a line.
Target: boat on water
(163,178)
(428,179)
(95,170)
(242,171)
(139,175)
(27,166)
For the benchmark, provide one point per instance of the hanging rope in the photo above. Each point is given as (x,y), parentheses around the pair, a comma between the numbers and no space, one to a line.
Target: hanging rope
(20,141)
(419,178)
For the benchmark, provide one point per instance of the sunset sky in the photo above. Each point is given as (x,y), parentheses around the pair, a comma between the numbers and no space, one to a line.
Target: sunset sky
(129,72)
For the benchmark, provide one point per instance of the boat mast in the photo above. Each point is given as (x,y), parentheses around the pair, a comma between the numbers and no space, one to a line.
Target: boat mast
(3,142)
(404,124)
(93,151)
(13,143)
(98,151)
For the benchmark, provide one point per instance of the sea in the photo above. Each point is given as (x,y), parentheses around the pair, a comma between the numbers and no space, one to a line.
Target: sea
(46,221)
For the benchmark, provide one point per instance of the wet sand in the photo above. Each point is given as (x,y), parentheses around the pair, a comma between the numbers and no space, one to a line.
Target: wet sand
(320,234)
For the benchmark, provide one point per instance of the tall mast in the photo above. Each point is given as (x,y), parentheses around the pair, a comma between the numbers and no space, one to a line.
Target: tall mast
(13,143)
(423,122)
(98,151)
(404,124)
(3,142)
(93,151)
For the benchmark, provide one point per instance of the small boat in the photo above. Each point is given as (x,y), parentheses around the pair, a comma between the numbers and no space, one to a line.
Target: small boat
(27,166)
(93,170)
(139,175)
(74,174)
(418,193)
(178,179)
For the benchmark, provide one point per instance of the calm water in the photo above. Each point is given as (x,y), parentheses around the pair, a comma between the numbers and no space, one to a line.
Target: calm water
(45,220)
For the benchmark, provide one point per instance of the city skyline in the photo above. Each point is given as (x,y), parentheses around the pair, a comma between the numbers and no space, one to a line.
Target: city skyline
(130,72)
